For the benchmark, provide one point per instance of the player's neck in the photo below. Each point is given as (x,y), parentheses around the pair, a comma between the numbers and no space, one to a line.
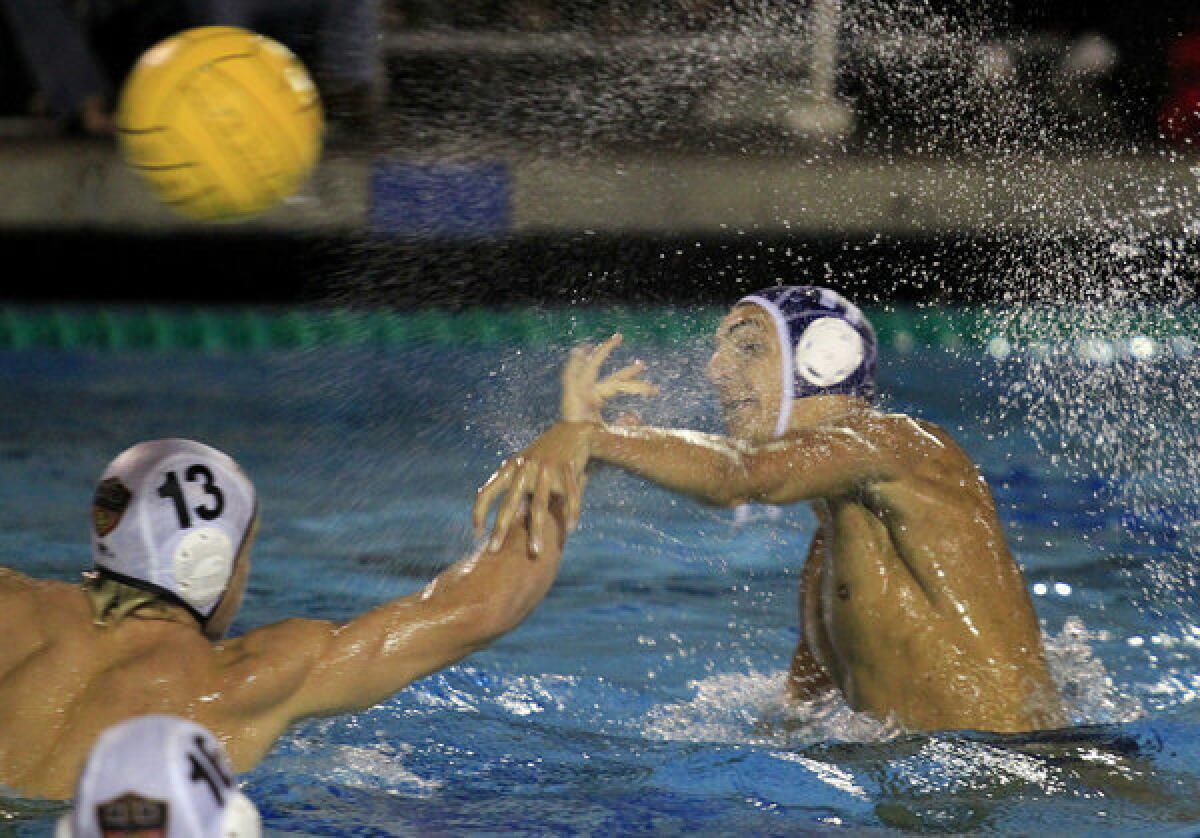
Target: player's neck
(816,412)
(163,618)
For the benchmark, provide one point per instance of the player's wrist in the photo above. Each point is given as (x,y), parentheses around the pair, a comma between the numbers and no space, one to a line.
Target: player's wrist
(589,430)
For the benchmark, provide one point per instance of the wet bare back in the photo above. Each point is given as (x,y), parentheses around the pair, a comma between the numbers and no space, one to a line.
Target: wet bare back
(63,680)
(913,605)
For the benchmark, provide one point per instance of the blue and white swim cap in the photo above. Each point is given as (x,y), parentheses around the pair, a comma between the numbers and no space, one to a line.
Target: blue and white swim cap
(159,775)
(826,344)
(170,516)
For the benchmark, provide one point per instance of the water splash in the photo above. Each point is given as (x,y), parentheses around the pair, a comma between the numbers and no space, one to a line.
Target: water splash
(1091,694)
(752,708)
(1107,393)
(738,708)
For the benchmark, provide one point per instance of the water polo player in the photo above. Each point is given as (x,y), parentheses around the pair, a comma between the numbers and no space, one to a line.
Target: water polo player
(911,603)
(172,526)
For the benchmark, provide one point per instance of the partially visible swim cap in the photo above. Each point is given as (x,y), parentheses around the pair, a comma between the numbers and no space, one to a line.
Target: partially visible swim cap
(161,775)
(170,516)
(826,344)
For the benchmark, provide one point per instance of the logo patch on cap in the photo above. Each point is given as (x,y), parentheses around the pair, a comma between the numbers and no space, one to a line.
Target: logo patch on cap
(109,504)
(828,352)
(132,814)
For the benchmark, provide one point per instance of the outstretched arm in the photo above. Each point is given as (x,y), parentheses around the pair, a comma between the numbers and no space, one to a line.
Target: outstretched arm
(314,668)
(725,472)
(713,469)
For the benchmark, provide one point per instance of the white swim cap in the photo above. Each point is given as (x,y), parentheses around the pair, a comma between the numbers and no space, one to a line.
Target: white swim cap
(171,516)
(159,775)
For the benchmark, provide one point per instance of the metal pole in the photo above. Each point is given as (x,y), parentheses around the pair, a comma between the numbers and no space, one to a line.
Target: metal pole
(826,20)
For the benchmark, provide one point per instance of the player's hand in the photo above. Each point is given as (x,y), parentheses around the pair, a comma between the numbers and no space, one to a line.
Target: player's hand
(584,394)
(550,467)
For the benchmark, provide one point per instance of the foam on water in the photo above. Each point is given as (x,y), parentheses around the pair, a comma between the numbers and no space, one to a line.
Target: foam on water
(379,766)
(752,708)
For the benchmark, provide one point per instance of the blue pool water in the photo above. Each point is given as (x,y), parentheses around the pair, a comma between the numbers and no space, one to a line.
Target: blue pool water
(643,695)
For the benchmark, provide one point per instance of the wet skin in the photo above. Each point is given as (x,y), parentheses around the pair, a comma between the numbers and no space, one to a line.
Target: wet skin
(63,679)
(911,603)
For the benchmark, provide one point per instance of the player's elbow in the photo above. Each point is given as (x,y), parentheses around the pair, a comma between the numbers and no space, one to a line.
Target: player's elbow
(736,485)
(724,489)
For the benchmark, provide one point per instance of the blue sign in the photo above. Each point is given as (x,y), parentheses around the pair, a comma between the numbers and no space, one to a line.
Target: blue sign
(441,199)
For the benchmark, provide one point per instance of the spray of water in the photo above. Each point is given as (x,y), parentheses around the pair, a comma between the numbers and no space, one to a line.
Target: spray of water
(1088,325)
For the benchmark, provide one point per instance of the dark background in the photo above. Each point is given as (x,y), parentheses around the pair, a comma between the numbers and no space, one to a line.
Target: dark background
(224,265)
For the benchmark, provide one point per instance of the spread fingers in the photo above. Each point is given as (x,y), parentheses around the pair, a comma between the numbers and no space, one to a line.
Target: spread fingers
(574,497)
(487,493)
(635,387)
(511,506)
(600,355)
(539,511)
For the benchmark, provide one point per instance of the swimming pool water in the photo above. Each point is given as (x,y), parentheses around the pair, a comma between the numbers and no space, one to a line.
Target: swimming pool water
(643,695)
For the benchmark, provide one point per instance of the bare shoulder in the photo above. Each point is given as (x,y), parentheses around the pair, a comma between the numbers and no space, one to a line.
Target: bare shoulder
(915,440)
(293,636)
(260,669)
(295,640)
(18,596)
(933,468)
(14,581)
(16,588)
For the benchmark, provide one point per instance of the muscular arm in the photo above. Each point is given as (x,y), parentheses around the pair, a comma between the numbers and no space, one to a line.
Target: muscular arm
(725,472)
(321,669)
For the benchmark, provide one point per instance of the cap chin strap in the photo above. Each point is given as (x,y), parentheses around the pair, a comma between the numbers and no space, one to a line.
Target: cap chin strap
(787,363)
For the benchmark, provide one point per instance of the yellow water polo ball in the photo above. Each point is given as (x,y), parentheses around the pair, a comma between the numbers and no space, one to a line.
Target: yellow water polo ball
(221,122)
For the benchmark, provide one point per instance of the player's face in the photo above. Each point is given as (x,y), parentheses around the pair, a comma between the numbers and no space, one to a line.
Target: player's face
(218,625)
(744,369)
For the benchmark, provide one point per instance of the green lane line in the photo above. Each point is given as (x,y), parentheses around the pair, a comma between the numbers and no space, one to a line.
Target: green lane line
(221,331)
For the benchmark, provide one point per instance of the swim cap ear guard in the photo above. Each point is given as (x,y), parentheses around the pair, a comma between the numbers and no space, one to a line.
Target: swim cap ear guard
(161,775)
(827,345)
(171,516)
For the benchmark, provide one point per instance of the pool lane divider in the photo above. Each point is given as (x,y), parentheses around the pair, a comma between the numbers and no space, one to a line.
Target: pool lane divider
(219,331)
